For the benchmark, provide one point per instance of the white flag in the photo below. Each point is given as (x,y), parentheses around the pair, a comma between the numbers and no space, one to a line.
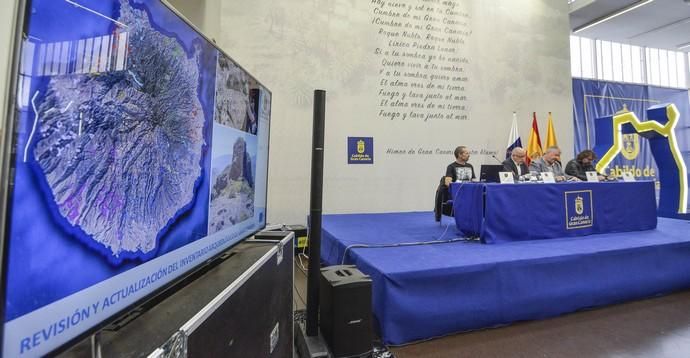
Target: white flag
(513,137)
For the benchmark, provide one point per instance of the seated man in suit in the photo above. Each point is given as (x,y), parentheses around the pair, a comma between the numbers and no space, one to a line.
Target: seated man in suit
(549,163)
(516,163)
(582,164)
(460,169)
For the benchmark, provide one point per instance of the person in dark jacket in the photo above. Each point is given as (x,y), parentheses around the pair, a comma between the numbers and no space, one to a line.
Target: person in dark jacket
(582,164)
(516,163)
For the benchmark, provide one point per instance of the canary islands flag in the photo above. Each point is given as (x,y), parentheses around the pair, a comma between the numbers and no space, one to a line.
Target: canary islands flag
(513,137)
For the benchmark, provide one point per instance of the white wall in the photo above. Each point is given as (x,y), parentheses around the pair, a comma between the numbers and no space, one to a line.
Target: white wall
(204,14)
(7,17)
(519,61)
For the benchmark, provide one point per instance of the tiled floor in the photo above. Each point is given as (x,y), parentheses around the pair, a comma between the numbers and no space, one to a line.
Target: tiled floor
(658,327)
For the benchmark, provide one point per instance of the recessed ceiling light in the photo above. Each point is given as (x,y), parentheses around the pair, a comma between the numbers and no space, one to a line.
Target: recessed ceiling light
(612,15)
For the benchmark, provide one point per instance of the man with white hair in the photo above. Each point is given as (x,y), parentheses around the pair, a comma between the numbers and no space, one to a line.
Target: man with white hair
(516,163)
(549,163)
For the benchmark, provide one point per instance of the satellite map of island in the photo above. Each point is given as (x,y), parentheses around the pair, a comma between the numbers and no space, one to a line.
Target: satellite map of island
(121,151)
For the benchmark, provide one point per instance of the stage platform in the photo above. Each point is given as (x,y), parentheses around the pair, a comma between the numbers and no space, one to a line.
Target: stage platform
(434,289)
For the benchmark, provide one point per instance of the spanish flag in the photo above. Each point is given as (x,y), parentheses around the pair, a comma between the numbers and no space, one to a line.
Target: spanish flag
(534,150)
(550,134)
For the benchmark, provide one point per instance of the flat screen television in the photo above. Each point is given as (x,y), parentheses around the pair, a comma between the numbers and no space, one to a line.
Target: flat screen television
(138,151)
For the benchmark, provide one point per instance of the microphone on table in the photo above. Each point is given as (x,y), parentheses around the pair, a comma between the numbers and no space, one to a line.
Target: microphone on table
(498,160)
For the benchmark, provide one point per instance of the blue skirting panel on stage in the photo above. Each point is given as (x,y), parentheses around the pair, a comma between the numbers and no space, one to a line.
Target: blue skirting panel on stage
(430,290)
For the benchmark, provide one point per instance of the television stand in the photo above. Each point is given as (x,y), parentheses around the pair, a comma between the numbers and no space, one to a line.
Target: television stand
(240,307)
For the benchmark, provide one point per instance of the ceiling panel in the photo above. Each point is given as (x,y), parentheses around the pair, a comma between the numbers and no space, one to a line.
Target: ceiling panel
(661,23)
(596,9)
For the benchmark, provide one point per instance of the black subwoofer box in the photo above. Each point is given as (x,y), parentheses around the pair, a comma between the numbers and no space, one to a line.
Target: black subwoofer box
(345,311)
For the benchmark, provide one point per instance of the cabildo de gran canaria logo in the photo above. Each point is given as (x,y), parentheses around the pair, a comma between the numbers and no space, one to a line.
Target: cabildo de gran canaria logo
(579,211)
(631,146)
(579,205)
(631,142)
(360,150)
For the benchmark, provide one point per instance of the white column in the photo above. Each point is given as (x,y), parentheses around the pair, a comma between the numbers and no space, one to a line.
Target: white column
(7,25)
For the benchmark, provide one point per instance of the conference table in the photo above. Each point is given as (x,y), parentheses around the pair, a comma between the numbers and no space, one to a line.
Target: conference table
(499,213)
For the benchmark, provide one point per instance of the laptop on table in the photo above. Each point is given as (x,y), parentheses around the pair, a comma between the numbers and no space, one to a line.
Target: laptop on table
(489,173)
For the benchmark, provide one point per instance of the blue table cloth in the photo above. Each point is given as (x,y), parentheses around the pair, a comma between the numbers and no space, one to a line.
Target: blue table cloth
(526,211)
